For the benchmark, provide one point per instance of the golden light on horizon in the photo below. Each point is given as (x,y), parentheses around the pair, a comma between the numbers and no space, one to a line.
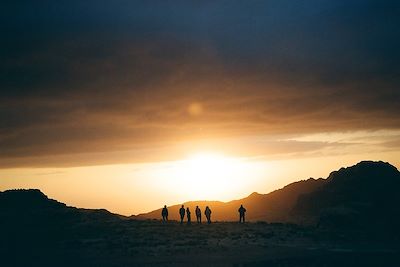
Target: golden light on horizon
(141,187)
(210,176)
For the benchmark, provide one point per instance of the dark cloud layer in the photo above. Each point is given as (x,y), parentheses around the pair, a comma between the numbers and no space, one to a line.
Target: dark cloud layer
(82,77)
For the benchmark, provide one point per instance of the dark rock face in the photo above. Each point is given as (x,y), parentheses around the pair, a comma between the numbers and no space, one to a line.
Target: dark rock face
(21,201)
(364,195)
(38,231)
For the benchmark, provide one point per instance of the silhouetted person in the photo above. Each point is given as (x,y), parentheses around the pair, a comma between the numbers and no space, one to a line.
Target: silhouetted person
(182,213)
(164,214)
(207,212)
(198,214)
(189,218)
(242,212)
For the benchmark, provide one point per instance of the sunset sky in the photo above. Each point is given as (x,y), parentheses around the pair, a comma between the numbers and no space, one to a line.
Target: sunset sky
(130,105)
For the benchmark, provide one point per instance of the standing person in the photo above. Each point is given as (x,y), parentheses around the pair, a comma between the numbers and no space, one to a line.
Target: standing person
(242,212)
(164,214)
(207,212)
(189,218)
(182,213)
(198,214)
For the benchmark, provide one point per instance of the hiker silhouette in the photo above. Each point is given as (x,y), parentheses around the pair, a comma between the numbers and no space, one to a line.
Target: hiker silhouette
(242,212)
(189,218)
(207,212)
(182,213)
(164,214)
(198,214)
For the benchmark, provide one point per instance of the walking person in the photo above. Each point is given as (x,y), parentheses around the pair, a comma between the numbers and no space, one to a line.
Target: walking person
(189,218)
(182,213)
(164,214)
(242,212)
(198,214)
(207,212)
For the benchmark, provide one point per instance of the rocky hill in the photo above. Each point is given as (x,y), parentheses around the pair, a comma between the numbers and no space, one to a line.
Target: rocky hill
(368,188)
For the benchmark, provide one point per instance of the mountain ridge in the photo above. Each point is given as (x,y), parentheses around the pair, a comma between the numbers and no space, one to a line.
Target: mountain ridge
(293,202)
(278,210)
(366,189)
(363,192)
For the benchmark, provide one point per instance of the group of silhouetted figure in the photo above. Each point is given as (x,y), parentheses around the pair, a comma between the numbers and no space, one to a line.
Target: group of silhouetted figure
(207,212)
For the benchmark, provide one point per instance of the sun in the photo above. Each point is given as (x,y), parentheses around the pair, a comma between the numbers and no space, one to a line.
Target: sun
(211,176)
(203,176)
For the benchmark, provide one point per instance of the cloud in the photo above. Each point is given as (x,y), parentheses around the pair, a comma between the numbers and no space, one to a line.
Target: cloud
(115,80)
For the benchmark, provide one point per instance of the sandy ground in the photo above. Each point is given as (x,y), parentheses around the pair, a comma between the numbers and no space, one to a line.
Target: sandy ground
(152,243)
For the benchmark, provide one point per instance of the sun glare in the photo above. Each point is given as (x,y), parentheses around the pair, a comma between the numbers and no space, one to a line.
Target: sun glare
(212,176)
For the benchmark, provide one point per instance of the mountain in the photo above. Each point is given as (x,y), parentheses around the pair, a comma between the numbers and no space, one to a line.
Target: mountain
(26,207)
(272,207)
(349,196)
(367,189)
(362,195)
(33,203)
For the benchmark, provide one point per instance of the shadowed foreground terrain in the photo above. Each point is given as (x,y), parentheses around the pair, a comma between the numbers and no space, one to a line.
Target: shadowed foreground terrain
(68,236)
(122,242)
(47,233)
(350,219)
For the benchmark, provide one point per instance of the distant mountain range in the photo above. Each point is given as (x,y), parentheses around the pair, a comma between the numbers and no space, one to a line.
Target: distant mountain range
(275,206)
(367,191)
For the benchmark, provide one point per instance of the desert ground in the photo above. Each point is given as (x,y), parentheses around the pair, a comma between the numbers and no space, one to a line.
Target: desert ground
(126,242)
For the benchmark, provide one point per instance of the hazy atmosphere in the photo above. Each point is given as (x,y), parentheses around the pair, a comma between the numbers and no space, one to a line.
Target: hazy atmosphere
(127,105)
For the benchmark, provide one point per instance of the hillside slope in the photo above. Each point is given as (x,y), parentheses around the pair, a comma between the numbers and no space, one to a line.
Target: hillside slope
(368,188)
(365,192)
(272,207)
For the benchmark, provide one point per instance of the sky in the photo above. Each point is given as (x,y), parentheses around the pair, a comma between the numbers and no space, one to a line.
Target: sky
(130,105)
